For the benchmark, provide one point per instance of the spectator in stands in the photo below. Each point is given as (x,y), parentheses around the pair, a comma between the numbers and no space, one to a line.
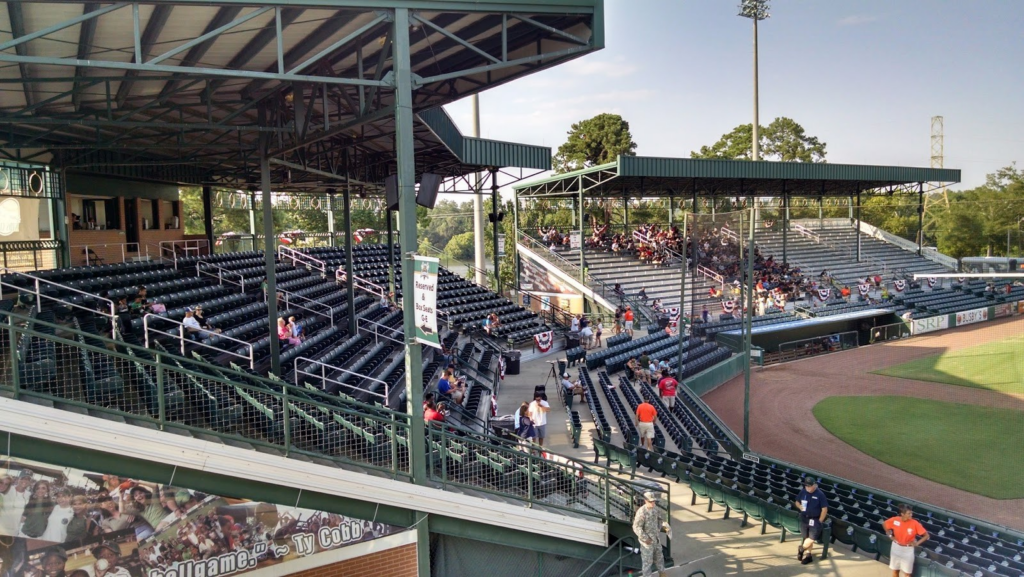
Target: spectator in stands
(538,412)
(385,305)
(586,337)
(597,334)
(813,506)
(646,414)
(191,327)
(635,369)
(570,388)
(205,324)
(652,369)
(627,317)
(296,329)
(76,222)
(430,413)
(122,305)
(642,295)
(444,384)
(906,534)
(618,319)
(524,425)
(447,356)
(704,314)
(574,324)
(284,333)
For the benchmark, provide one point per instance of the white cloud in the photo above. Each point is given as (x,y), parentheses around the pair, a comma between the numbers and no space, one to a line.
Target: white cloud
(857,20)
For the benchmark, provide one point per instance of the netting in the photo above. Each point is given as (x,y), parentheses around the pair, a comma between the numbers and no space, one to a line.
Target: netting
(715,244)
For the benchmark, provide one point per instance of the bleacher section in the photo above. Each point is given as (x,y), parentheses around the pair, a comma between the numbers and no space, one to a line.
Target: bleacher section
(814,252)
(959,297)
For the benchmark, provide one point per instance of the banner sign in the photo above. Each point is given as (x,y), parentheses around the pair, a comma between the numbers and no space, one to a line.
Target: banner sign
(62,521)
(936,323)
(824,293)
(424,298)
(864,289)
(899,285)
(1004,310)
(574,240)
(1020,307)
(728,307)
(932,282)
(501,245)
(971,317)
(544,341)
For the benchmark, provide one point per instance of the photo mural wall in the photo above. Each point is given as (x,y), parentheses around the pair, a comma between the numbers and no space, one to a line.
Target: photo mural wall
(63,522)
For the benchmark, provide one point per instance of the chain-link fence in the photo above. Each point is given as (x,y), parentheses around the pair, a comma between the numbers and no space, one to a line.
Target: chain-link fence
(72,368)
(814,346)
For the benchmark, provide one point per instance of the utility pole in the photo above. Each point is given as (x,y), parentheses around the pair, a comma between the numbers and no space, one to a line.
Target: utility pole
(478,204)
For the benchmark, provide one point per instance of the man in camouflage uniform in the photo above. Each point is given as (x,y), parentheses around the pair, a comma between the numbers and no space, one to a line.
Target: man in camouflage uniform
(648,524)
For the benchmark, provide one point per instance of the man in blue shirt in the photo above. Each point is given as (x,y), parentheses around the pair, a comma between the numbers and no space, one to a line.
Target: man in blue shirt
(813,507)
(444,384)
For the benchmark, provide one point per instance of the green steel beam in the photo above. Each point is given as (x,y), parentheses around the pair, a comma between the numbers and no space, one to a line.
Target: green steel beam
(224,15)
(530,6)
(350,287)
(17,19)
(270,262)
(258,42)
(157,20)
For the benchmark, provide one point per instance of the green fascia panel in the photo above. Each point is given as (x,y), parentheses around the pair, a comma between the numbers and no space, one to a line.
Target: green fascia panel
(512,538)
(648,166)
(480,151)
(23,447)
(569,175)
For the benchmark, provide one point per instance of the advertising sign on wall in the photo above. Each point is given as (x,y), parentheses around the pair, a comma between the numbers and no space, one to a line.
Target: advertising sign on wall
(1003,310)
(971,317)
(63,521)
(574,240)
(927,325)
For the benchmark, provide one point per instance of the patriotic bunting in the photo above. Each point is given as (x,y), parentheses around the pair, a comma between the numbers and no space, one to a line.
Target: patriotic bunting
(501,367)
(780,301)
(673,316)
(728,307)
(899,285)
(864,289)
(961,279)
(931,281)
(824,293)
(543,342)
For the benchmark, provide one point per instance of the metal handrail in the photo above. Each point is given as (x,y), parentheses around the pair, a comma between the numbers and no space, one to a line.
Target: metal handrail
(181,339)
(171,246)
(39,296)
(92,255)
(289,302)
(221,273)
(341,277)
(324,368)
(283,252)
(377,333)
(804,231)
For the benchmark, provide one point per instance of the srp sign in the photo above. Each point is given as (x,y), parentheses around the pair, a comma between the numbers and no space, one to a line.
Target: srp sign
(927,325)
(971,317)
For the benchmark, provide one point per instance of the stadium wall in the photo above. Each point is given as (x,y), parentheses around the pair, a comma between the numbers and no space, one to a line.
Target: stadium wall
(963,318)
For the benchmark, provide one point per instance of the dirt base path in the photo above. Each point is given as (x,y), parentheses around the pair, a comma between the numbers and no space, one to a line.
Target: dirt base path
(782,425)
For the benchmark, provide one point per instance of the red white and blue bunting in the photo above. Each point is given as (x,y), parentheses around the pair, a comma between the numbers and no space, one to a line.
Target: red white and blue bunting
(961,279)
(501,367)
(899,285)
(824,293)
(728,307)
(543,342)
(932,281)
(673,316)
(780,301)
(864,289)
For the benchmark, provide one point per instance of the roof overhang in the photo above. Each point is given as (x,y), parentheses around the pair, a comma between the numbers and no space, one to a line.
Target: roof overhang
(654,177)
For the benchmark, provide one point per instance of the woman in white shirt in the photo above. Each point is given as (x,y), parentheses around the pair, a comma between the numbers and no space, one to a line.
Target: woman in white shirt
(57,525)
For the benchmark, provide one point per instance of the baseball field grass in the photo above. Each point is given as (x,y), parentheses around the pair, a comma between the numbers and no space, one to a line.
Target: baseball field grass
(996,366)
(969,447)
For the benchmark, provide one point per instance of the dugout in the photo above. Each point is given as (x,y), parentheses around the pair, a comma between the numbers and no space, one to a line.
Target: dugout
(854,328)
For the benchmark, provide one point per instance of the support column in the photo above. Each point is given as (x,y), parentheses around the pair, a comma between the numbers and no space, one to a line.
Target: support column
(497,227)
(515,237)
(785,224)
(406,161)
(671,208)
(389,216)
(252,218)
(748,320)
(60,221)
(332,242)
(858,223)
(625,212)
(583,264)
(270,255)
(207,215)
(478,205)
(821,212)
(920,217)
(350,286)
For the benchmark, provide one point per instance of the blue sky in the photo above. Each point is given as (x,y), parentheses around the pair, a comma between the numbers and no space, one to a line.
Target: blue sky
(865,77)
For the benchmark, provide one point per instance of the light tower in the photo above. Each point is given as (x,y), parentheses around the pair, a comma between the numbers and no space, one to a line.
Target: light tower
(938,149)
(755,10)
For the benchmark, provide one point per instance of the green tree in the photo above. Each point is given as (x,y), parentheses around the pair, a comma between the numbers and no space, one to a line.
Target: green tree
(960,233)
(594,141)
(192,206)
(783,140)
(460,246)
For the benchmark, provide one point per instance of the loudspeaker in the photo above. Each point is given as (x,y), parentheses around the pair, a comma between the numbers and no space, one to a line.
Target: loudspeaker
(391,191)
(429,184)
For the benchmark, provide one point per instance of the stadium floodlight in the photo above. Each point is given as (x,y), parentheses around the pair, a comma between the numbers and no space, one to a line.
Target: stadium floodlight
(756,10)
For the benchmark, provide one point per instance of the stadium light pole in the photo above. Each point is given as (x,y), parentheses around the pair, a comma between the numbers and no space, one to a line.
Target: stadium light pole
(755,10)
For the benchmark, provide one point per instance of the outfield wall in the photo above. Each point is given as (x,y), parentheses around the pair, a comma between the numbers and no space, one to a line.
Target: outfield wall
(963,318)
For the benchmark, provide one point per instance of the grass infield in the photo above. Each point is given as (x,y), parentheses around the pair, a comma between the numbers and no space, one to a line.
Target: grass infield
(996,366)
(969,447)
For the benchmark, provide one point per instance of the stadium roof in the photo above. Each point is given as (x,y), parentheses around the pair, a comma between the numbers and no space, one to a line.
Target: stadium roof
(193,91)
(651,177)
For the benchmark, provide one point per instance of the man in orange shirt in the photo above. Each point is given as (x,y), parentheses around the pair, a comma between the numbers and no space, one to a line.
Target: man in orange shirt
(628,317)
(906,534)
(646,414)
